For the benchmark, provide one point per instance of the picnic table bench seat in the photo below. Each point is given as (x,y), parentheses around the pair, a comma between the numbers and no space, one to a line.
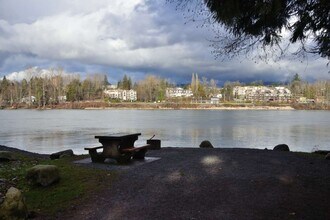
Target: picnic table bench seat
(124,154)
(137,152)
(95,156)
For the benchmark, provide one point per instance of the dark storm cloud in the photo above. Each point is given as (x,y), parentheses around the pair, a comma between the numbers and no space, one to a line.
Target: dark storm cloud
(135,37)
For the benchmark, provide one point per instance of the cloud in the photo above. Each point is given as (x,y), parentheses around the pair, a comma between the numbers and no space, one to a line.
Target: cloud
(136,36)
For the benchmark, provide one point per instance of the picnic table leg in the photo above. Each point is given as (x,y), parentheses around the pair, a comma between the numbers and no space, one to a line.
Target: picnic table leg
(96,157)
(140,154)
(124,158)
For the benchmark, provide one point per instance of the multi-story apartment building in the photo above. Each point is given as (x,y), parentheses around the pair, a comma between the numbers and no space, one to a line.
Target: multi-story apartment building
(262,93)
(125,95)
(178,92)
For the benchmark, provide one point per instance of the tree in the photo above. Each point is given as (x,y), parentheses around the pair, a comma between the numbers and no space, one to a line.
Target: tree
(195,84)
(257,83)
(152,88)
(296,77)
(105,81)
(251,24)
(213,87)
(74,91)
(87,89)
(125,83)
(24,88)
(296,85)
(94,86)
(4,89)
(227,91)
(29,73)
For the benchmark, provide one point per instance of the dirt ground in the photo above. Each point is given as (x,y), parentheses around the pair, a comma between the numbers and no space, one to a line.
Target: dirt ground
(187,183)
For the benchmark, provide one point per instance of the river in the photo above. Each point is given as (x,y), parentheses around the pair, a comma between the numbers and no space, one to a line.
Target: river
(49,131)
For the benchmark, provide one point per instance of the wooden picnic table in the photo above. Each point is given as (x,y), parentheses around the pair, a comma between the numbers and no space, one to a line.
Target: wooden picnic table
(118,146)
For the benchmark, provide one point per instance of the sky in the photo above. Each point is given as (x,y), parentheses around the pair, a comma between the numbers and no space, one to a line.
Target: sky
(135,37)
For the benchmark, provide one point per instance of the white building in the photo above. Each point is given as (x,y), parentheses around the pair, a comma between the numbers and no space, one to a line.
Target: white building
(28,100)
(125,95)
(262,93)
(215,100)
(178,92)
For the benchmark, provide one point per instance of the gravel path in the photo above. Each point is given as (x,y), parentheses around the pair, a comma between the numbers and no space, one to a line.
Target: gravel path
(189,183)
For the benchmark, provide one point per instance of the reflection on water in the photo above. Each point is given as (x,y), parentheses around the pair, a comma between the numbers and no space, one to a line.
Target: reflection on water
(54,130)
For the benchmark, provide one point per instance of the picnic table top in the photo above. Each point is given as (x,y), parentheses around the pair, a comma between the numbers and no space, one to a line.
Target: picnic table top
(117,136)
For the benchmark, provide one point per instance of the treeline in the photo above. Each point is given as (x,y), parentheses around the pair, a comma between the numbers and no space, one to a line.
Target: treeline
(42,88)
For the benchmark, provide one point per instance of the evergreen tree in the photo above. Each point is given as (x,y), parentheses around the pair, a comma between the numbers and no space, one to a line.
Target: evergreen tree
(4,89)
(74,91)
(105,81)
(251,24)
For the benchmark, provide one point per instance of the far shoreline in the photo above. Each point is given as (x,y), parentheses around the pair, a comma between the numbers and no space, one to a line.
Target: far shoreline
(209,108)
(101,105)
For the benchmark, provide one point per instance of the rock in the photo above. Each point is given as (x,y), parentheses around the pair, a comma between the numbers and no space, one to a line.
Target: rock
(61,154)
(206,144)
(14,206)
(4,185)
(281,147)
(327,157)
(43,175)
(6,156)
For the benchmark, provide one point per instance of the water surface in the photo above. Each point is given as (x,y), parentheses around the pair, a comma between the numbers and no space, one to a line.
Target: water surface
(54,130)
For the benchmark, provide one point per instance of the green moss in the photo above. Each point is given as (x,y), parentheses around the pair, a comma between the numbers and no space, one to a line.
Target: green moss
(75,185)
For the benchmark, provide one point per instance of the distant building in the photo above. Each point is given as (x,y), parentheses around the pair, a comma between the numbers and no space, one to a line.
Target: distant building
(28,100)
(219,95)
(62,98)
(178,92)
(124,95)
(305,100)
(262,93)
(112,86)
(215,100)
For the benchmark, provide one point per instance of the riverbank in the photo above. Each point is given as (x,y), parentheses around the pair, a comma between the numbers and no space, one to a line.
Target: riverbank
(172,105)
(194,183)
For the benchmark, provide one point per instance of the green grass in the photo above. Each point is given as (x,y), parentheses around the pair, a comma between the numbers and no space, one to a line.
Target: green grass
(75,184)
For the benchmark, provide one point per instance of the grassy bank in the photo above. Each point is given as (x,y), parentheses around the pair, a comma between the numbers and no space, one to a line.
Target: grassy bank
(75,186)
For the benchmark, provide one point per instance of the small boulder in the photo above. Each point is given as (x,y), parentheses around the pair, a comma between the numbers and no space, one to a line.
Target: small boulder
(6,156)
(43,175)
(327,157)
(13,206)
(61,154)
(206,144)
(281,147)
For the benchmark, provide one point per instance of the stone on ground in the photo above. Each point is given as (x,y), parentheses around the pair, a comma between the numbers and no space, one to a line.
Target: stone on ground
(13,206)
(206,144)
(61,154)
(281,147)
(43,175)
